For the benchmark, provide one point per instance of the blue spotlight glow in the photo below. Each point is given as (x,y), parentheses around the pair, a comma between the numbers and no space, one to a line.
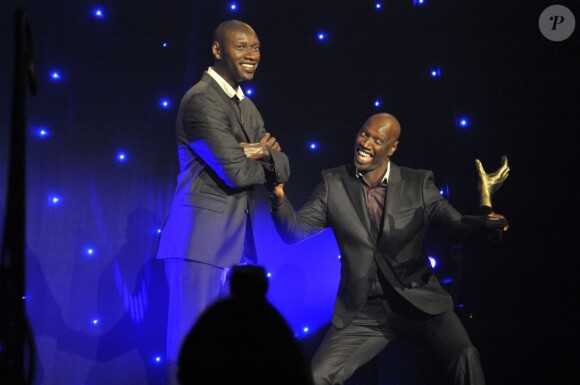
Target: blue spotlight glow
(233,6)
(436,72)
(269,275)
(313,146)
(433,262)
(249,91)
(157,359)
(164,103)
(377,103)
(446,281)
(42,132)
(55,76)
(418,2)
(378,5)
(121,156)
(90,251)
(99,13)
(95,321)
(165,44)
(462,122)
(444,191)
(54,200)
(306,329)
(321,36)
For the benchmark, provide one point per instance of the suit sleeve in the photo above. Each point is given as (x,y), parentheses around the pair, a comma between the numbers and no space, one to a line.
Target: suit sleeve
(208,131)
(444,216)
(440,212)
(278,168)
(310,220)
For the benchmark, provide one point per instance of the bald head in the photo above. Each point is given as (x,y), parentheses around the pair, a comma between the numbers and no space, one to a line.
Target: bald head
(387,122)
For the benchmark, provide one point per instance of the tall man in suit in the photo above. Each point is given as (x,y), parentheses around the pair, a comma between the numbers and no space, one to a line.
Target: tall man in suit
(379,213)
(224,151)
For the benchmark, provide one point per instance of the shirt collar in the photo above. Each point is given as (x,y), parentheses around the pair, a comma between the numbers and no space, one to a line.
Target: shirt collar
(229,90)
(385,177)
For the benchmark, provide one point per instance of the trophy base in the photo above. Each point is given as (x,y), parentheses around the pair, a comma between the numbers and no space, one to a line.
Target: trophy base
(483,221)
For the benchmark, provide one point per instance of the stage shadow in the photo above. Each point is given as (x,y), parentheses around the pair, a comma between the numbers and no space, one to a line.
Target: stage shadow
(133,291)
(132,308)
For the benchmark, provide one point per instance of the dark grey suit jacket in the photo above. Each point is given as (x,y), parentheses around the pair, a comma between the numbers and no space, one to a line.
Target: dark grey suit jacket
(211,215)
(413,203)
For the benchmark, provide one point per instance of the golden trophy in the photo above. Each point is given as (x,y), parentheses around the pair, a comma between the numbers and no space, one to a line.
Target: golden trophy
(488,184)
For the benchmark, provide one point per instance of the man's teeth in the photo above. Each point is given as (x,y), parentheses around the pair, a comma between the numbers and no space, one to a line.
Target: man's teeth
(248,65)
(364,154)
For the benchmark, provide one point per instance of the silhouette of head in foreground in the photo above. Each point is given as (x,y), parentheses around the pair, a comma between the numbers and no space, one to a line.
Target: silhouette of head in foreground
(243,339)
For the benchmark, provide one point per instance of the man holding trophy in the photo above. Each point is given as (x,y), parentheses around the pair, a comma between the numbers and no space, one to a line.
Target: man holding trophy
(379,213)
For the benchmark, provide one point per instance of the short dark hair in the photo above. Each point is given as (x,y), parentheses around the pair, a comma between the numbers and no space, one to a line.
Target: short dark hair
(219,32)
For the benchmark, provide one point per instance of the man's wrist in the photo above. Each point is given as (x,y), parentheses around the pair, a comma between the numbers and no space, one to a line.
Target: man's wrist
(275,202)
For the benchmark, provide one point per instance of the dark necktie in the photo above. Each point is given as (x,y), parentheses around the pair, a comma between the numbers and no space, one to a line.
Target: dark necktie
(238,108)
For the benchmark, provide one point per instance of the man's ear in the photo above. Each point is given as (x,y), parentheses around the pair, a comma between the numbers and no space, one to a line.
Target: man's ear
(215,49)
(393,148)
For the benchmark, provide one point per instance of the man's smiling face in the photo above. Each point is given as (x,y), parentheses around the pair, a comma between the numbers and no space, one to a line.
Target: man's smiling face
(375,142)
(237,55)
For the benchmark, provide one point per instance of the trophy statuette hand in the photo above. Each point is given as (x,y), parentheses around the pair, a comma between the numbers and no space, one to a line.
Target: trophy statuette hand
(487,185)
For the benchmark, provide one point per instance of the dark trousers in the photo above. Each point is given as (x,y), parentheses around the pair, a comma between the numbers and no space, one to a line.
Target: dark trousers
(193,287)
(343,351)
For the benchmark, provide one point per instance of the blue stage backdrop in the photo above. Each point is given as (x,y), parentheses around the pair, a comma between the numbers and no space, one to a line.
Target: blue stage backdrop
(467,80)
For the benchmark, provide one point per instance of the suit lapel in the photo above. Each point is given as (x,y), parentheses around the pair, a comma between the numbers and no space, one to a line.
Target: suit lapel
(206,77)
(355,193)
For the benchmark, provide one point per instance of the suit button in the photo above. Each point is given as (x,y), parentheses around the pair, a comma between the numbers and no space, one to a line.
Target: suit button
(247,211)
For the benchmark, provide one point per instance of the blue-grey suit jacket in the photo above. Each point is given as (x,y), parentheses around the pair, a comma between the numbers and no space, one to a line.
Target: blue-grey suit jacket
(211,214)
